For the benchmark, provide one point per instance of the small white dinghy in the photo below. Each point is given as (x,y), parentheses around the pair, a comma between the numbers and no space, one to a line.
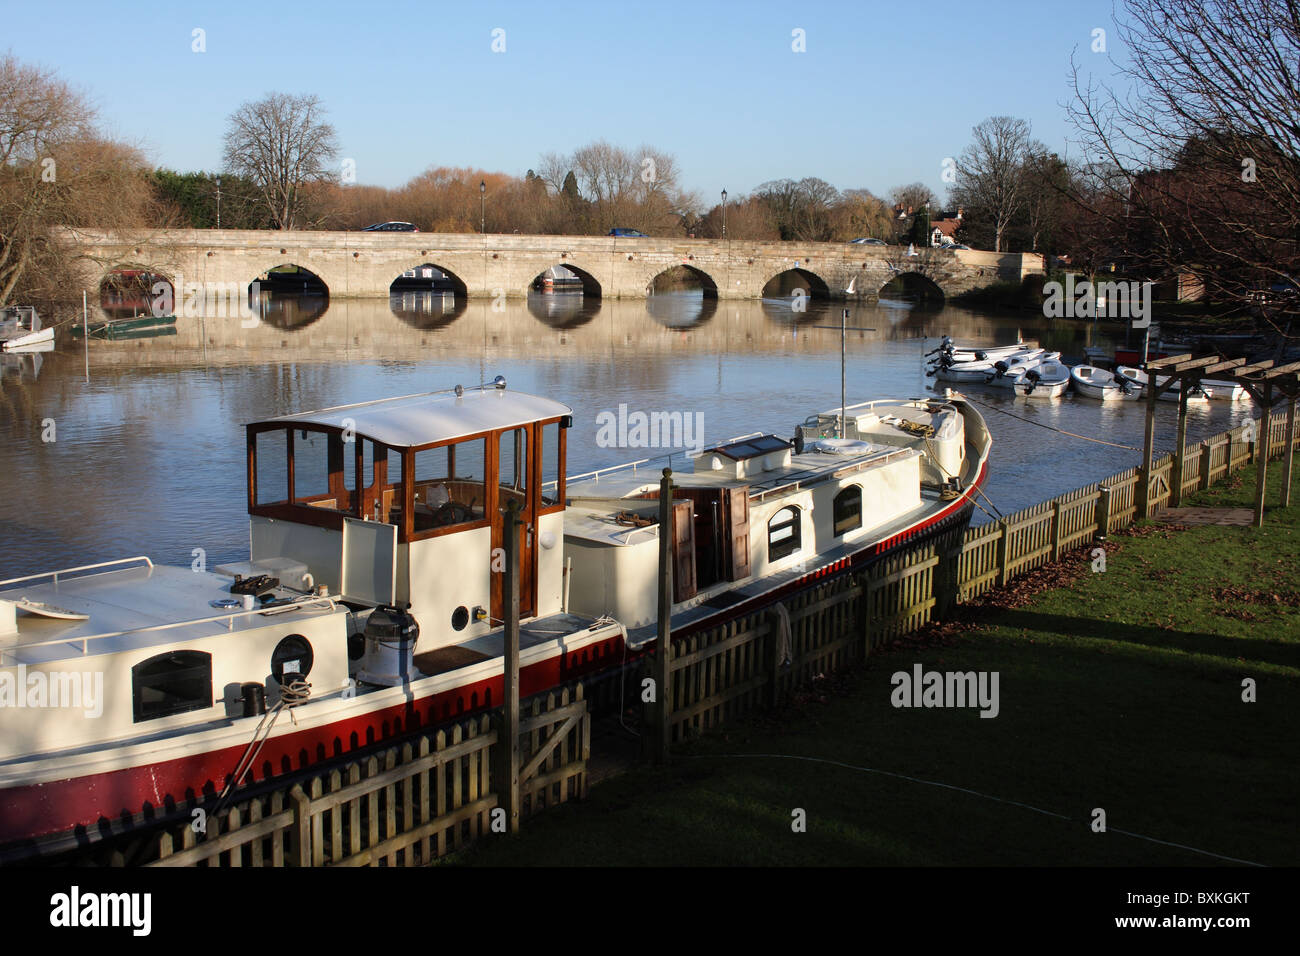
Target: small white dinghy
(955,354)
(1007,372)
(1092,382)
(1047,379)
(988,370)
(1197,395)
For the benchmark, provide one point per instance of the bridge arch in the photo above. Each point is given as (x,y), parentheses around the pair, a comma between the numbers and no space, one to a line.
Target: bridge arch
(127,288)
(681,278)
(288,296)
(428,276)
(784,283)
(557,274)
(912,286)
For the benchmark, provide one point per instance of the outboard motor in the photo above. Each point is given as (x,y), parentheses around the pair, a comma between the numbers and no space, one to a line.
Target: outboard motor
(1002,367)
(390,636)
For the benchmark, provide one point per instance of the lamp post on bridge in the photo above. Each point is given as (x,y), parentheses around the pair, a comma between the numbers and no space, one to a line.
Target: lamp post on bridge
(724,214)
(218,202)
(482,206)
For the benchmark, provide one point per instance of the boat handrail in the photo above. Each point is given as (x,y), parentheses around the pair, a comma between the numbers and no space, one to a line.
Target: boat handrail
(83,567)
(595,475)
(327,602)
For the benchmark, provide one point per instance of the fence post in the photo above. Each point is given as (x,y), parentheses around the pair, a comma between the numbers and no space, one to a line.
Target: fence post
(1002,552)
(301,855)
(663,666)
(508,739)
(1227,456)
(1207,456)
(1288,453)
(1102,513)
(1056,529)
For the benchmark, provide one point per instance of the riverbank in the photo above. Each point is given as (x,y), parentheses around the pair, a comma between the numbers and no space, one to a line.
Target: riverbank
(1119,689)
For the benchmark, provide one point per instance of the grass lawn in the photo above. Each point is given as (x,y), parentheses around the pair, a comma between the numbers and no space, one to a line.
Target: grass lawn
(1120,690)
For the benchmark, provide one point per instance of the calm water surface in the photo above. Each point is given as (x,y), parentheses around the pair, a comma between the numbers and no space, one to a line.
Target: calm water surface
(148,456)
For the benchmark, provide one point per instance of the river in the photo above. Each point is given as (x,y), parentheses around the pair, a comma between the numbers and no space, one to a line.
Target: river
(147,456)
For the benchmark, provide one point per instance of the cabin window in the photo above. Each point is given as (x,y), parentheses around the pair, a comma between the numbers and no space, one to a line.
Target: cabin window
(450,484)
(783,534)
(512,467)
(551,453)
(320,472)
(272,451)
(848,509)
(172,683)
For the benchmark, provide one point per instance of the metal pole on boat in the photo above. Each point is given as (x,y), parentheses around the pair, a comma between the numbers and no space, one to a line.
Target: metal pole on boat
(662,735)
(85,331)
(844,325)
(510,743)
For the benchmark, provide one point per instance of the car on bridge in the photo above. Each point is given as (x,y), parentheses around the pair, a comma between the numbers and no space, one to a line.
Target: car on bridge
(868,241)
(628,234)
(391,227)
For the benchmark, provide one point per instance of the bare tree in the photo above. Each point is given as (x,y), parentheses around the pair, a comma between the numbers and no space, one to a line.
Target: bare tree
(913,196)
(803,210)
(1199,133)
(57,172)
(990,173)
(283,145)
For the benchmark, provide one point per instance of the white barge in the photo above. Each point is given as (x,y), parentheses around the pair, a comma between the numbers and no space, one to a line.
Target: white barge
(371,603)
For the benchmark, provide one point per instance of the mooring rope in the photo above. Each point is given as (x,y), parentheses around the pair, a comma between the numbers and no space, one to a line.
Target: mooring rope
(1099,441)
(974,793)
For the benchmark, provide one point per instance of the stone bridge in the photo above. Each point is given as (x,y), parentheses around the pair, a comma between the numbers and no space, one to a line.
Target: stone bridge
(364,264)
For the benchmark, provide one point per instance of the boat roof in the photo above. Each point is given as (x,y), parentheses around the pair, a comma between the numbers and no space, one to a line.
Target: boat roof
(424,419)
(129,609)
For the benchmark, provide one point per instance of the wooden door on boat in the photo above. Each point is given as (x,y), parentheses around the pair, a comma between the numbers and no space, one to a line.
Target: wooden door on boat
(736,512)
(517,479)
(683,550)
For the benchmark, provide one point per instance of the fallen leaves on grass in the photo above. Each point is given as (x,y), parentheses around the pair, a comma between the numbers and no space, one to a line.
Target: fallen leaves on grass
(1233,596)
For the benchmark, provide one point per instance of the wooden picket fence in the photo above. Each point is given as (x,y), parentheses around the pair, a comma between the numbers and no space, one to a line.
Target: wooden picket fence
(723,672)
(405,806)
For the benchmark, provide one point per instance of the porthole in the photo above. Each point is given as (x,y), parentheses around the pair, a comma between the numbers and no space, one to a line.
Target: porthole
(459,618)
(293,655)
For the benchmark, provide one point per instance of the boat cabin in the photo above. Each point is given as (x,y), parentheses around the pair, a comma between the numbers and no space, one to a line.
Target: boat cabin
(403,501)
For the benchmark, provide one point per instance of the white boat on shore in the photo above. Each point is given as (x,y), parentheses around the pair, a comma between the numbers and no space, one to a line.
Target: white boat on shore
(20,330)
(372,600)
(1097,383)
(1196,395)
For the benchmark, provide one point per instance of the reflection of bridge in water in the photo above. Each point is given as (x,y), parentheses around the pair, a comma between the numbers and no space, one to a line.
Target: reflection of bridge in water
(436,325)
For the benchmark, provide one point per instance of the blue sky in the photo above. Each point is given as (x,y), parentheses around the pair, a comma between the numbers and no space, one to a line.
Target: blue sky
(882,94)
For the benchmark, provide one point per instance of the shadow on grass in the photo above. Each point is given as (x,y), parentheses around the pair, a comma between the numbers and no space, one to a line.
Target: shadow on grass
(1231,650)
